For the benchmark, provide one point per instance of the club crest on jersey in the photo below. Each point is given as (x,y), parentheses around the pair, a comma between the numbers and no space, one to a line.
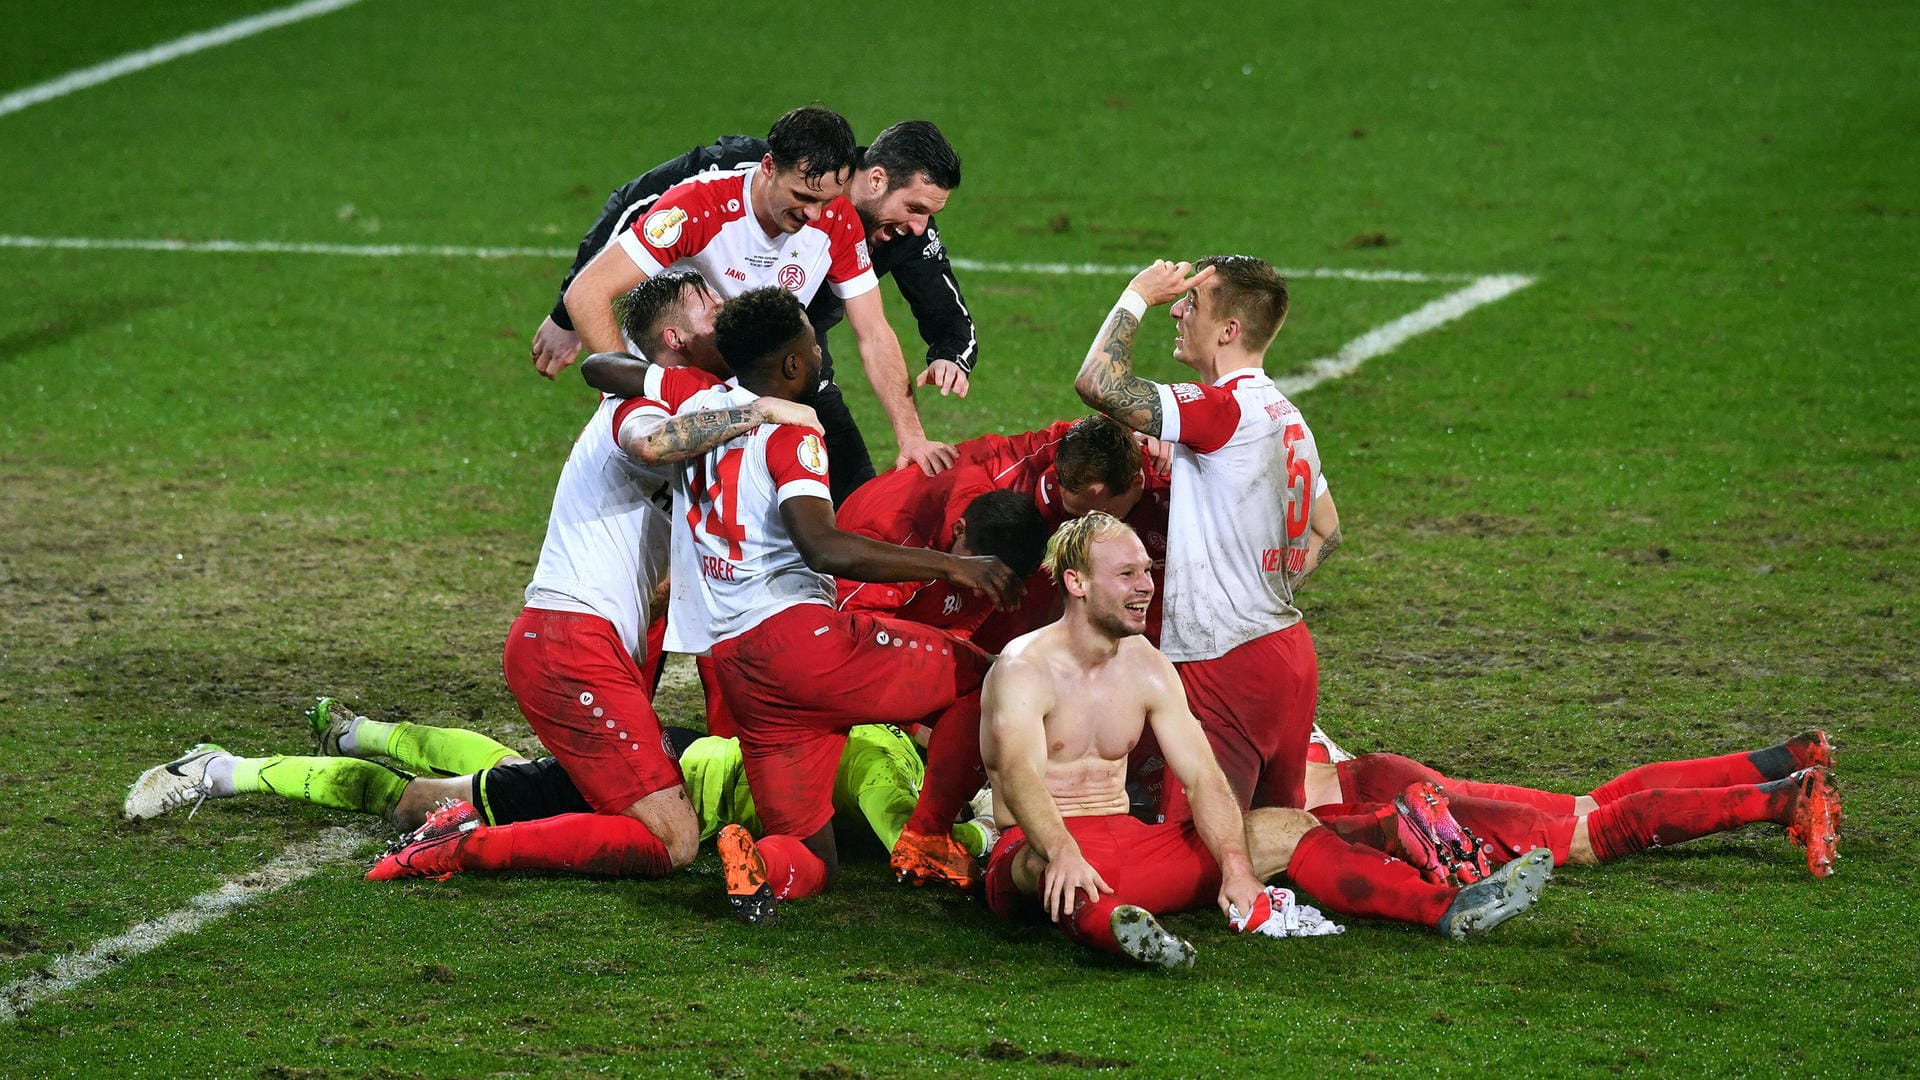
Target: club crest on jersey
(792,277)
(860,253)
(663,226)
(813,455)
(1186,392)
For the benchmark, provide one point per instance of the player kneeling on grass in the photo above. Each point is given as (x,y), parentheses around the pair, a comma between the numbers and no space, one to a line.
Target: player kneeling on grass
(1062,708)
(755,552)
(878,780)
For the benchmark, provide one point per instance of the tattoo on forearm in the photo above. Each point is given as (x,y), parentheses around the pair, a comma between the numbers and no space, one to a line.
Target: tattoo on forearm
(1327,547)
(1120,393)
(696,433)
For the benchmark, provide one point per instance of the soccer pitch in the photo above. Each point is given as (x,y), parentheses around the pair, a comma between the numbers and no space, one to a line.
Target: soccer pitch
(1604,324)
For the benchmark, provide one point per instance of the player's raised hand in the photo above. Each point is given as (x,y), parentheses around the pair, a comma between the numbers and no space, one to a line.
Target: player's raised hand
(1063,880)
(932,457)
(986,574)
(782,411)
(945,374)
(1164,282)
(553,348)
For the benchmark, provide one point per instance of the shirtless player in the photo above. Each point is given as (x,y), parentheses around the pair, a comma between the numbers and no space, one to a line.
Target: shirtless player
(1062,708)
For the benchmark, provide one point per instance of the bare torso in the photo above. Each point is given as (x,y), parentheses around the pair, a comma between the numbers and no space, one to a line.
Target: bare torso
(1096,717)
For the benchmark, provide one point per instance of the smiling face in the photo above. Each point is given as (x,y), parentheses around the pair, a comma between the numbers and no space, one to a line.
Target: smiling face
(1117,585)
(785,200)
(1198,328)
(903,211)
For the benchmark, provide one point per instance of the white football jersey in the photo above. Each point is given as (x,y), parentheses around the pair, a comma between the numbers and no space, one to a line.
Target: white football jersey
(706,223)
(607,537)
(734,563)
(1245,469)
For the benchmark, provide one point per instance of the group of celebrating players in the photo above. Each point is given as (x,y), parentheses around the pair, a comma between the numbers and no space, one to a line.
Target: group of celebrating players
(1096,620)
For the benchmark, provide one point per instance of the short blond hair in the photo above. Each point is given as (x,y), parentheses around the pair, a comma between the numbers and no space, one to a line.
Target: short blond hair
(1071,547)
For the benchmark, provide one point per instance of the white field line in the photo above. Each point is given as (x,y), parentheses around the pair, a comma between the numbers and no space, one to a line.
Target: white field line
(160,54)
(1105,270)
(66,972)
(244,247)
(1389,336)
(1480,290)
(268,247)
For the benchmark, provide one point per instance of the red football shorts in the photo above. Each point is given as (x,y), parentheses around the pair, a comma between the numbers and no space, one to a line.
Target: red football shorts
(796,682)
(1256,706)
(1163,868)
(583,694)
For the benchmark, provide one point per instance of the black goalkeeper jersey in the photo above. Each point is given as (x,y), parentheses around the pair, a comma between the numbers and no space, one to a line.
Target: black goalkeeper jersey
(918,264)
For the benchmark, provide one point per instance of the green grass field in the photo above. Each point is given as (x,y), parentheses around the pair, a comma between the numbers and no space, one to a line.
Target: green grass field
(1660,503)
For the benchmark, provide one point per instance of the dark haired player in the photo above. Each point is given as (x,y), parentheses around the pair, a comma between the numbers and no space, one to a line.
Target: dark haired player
(754,558)
(571,658)
(902,180)
(1244,481)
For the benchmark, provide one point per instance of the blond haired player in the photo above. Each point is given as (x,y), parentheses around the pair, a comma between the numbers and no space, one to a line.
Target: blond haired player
(1061,709)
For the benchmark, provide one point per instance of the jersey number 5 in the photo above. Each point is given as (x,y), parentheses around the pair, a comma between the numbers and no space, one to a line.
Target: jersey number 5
(721,501)
(1299,471)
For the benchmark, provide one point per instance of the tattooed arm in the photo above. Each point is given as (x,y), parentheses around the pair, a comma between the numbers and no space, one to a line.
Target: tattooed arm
(1323,521)
(1106,380)
(691,434)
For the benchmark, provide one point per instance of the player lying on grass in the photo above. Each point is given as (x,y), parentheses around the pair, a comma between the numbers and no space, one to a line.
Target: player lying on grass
(1065,704)
(878,779)
(1654,805)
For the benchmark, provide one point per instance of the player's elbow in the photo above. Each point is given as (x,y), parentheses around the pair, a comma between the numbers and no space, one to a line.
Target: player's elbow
(1089,390)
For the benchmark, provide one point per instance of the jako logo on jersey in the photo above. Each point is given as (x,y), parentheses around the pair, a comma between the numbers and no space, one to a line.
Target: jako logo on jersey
(1186,391)
(812,455)
(663,226)
(792,277)
(735,274)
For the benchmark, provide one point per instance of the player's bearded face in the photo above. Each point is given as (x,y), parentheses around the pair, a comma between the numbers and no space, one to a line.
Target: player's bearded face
(1119,586)
(904,211)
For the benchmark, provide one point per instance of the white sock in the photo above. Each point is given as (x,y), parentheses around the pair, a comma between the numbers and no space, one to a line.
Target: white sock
(220,777)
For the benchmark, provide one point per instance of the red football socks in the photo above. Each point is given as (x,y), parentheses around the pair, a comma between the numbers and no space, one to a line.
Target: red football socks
(792,868)
(954,772)
(1363,881)
(608,845)
(1657,818)
(1091,924)
(1727,770)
